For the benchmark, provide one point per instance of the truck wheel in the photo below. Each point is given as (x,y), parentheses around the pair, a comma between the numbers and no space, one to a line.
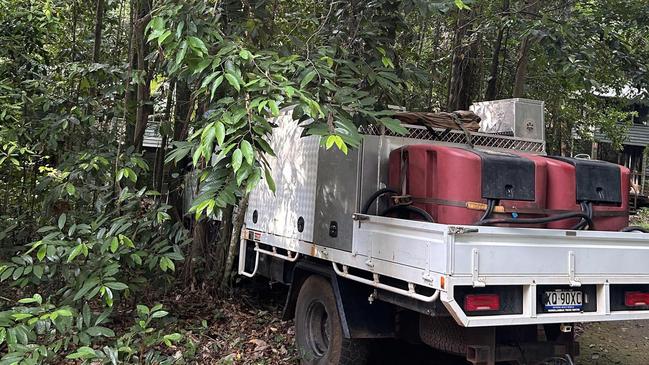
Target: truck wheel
(318,331)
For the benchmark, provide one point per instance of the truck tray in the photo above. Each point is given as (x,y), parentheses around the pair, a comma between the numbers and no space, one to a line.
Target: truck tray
(432,260)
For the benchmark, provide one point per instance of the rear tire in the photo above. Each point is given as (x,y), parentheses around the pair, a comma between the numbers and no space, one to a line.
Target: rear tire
(318,331)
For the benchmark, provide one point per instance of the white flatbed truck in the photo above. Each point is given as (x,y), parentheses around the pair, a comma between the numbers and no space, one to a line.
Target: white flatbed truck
(354,277)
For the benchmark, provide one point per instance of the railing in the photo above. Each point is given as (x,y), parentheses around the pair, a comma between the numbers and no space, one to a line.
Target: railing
(498,141)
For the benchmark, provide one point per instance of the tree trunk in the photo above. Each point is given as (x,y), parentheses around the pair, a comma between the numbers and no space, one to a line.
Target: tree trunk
(143,89)
(532,7)
(492,84)
(521,68)
(222,244)
(181,111)
(130,103)
(462,77)
(197,251)
(75,18)
(233,247)
(99,20)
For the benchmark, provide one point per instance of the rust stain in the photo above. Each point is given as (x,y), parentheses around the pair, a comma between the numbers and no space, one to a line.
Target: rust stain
(314,250)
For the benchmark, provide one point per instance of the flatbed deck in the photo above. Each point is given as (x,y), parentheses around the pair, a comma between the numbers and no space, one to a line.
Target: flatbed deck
(443,257)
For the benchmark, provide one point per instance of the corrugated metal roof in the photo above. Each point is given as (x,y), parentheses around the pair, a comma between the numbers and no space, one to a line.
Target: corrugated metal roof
(638,135)
(152,136)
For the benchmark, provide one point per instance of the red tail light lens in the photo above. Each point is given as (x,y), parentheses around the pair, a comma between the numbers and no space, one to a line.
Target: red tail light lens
(481,302)
(636,299)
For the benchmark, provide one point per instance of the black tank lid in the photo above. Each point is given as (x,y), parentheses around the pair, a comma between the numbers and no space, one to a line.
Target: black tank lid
(597,181)
(507,176)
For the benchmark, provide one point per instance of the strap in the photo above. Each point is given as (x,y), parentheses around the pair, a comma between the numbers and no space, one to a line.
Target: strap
(467,134)
(526,210)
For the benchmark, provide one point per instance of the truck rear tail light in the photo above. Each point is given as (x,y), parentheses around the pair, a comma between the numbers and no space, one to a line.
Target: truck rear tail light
(481,302)
(636,299)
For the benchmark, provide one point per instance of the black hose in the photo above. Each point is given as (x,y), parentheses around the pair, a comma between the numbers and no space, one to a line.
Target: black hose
(541,220)
(491,204)
(634,229)
(373,197)
(587,208)
(410,209)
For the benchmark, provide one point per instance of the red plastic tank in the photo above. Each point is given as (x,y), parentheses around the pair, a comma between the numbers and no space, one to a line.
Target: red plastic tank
(605,185)
(442,180)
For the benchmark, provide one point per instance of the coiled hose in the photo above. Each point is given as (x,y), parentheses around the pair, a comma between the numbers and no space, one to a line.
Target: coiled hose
(376,195)
(395,208)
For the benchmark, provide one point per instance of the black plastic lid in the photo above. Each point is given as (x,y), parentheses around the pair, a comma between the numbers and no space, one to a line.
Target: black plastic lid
(507,176)
(597,181)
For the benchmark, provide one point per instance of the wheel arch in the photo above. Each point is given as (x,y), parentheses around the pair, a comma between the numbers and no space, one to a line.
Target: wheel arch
(358,317)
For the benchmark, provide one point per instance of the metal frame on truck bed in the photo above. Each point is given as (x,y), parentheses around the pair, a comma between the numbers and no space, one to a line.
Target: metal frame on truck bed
(314,217)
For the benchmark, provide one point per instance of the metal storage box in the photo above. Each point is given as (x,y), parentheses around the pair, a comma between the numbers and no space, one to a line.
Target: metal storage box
(522,118)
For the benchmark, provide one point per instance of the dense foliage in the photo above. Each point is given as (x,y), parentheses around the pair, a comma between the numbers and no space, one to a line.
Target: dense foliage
(92,217)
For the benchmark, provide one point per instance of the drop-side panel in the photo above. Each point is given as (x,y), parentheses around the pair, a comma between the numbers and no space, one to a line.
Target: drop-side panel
(538,253)
(295,173)
(415,244)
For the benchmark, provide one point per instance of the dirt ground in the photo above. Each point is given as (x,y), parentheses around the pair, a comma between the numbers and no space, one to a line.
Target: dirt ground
(625,343)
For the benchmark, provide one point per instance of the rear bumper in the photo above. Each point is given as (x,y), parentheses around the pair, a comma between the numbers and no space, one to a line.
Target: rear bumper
(530,314)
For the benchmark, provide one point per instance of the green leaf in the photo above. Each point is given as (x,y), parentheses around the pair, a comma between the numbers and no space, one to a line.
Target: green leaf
(142,309)
(289,90)
(126,241)
(115,285)
(248,153)
(232,79)
(21,316)
(64,313)
(157,23)
(330,141)
(245,54)
(461,5)
(163,37)
(75,252)
(136,258)
(83,352)
(70,189)
(87,286)
(100,331)
(6,274)
(393,125)
(159,314)
(197,43)
(62,219)
(202,65)
(220,132)
(36,298)
(114,244)
(269,180)
(120,175)
(38,271)
(18,272)
(253,180)
(42,251)
(180,56)
(274,110)
(307,78)
(237,159)
(173,337)
(215,86)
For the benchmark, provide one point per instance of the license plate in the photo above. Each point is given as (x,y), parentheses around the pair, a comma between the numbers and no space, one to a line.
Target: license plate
(563,300)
